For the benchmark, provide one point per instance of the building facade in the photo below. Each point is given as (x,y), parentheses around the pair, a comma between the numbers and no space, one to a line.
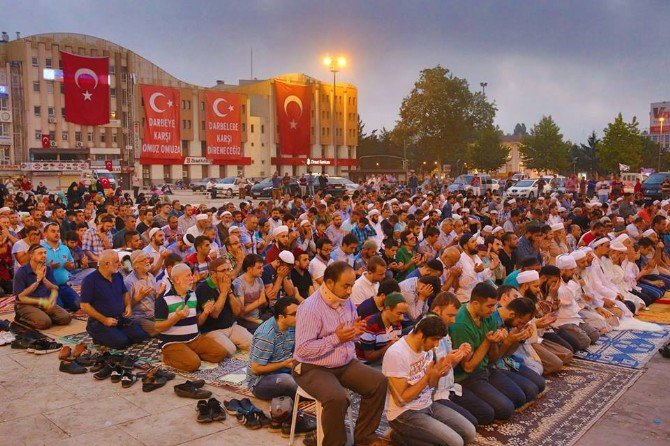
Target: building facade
(659,123)
(32,106)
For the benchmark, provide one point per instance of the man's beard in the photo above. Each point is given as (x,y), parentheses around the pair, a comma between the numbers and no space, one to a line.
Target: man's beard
(530,295)
(473,251)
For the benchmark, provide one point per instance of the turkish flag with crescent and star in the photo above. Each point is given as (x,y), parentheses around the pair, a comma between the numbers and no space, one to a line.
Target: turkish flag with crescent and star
(223,134)
(46,141)
(86,83)
(294,110)
(161,142)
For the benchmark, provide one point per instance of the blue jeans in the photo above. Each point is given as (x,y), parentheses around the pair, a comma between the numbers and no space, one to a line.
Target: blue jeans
(67,298)
(482,395)
(275,385)
(436,424)
(529,381)
(451,405)
(118,337)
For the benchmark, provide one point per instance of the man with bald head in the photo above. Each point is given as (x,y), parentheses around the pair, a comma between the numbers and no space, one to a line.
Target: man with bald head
(105,298)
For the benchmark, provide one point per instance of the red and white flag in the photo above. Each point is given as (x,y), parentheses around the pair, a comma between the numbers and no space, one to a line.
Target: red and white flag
(161,143)
(294,109)
(86,81)
(46,141)
(223,135)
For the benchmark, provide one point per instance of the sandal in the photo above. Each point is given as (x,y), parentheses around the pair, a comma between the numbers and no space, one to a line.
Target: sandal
(233,407)
(128,379)
(151,382)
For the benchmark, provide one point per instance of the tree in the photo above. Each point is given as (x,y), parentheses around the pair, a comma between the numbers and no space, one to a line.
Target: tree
(520,129)
(487,153)
(373,149)
(441,116)
(621,144)
(650,155)
(585,156)
(544,149)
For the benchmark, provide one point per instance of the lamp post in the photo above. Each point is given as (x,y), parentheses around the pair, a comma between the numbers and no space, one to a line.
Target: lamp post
(660,142)
(334,64)
(483,85)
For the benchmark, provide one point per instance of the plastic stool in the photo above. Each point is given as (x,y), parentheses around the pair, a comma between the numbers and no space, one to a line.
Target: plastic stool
(301,393)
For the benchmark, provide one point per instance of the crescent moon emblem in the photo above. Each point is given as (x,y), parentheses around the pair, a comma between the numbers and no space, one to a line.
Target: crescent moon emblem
(83,71)
(292,98)
(215,107)
(152,102)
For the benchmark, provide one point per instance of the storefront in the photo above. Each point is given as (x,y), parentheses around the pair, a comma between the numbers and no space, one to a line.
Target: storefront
(55,175)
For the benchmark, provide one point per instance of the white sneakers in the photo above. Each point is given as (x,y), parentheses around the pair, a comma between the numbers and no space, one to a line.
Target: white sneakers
(6,337)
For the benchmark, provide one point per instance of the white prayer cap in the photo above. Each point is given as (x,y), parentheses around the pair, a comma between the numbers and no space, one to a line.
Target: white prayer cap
(4,210)
(201,217)
(619,199)
(620,220)
(370,206)
(621,238)
(226,213)
(586,249)
(455,207)
(279,230)
(540,198)
(512,201)
(578,254)
(439,212)
(656,202)
(605,220)
(527,276)
(186,241)
(566,262)
(557,227)
(465,210)
(472,220)
(618,247)
(234,229)
(373,212)
(456,217)
(304,222)
(498,229)
(153,232)
(600,241)
(648,232)
(487,228)
(562,209)
(493,211)
(179,268)
(480,241)
(287,257)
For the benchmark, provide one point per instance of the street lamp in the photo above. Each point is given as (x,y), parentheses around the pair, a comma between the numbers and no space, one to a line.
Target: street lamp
(483,85)
(660,142)
(334,64)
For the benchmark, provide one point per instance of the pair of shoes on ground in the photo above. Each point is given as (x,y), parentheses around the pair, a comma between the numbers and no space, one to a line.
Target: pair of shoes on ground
(246,413)
(75,360)
(210,410)
(36,346)
(155,378)
(116,374)
(192,389)
(6,337)
(304,425)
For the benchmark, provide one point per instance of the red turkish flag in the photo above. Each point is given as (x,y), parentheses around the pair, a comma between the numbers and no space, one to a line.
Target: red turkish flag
(86,81)
(294,109)
(46,141)
(224,121)
(161,143)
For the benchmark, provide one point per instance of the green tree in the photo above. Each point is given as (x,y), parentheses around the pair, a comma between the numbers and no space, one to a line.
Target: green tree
(585,156)
(544,149)
(520,129)
(487,153)
(440,117)
(375,147)
(621,144)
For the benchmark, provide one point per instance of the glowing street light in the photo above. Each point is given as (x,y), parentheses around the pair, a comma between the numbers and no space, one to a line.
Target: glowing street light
(660,142)
(334,64)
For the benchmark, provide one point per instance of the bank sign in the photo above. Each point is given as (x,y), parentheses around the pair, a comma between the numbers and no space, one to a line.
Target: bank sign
(659,110)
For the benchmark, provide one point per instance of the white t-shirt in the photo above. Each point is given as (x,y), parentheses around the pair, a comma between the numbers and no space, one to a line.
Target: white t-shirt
(400,361)
(317,267)
(362,290)
(20,246)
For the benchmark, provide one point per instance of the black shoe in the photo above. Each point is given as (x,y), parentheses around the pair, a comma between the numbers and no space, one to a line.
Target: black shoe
(72,368)
(162,373)
(250,421)
(116,374)
(22,343)
(128,379)
(303,426)
(310,439)
(85,360)
(248,407)
(188,390)
(198,383)
(152,382)
(233,408)
(275,425)
(204,412)
(104,372)
(128,362)
(44,346)
(217,412)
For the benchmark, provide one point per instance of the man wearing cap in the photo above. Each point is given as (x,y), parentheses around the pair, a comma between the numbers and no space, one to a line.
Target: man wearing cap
(280,234)
(182,247)
(202,222)
(105,298)
(156,251)
(143,290)
(177,321)
(277,277)
(373,217)
(605,293)
(472,267)
(382,329)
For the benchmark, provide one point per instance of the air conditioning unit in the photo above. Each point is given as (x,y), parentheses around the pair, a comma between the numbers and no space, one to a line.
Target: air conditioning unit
(52,119)
(53,143)
(79,144)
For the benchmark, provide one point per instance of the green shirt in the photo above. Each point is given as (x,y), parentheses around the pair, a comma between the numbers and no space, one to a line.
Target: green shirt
(405,257)
(463,330)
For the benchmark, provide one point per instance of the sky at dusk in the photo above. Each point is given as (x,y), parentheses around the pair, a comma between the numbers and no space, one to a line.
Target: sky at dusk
(580,61)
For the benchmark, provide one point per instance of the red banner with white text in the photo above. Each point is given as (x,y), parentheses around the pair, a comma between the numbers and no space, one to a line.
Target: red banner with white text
(86,89)
(224,125)
(161,143)
(294,109)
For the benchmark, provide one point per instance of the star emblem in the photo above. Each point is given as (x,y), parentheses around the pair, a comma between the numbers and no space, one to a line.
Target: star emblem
(293,124)
(169,103)
(231,108)
(87,96)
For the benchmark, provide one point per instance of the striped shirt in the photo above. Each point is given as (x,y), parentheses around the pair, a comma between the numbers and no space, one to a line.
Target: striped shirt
(93,243)
(270,345)
(315,338)
(186,329)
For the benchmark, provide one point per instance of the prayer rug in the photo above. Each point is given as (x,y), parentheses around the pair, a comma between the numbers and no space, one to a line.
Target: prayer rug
(628,348)
(658,313)
(576,398)
(229,374)
(7,304)
(147,351)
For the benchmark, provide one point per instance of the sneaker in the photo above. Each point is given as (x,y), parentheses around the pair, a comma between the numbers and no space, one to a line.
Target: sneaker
(188,390)
(303,426)
(44,346)
(248,407)
(204,412)
(22,343)
(71,367)
(250,421)
(6,338)
(217,412)
(104,372)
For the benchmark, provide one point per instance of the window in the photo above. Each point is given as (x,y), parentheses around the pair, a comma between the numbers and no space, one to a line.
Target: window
(262,128)
(202,125)
(186,124)
(89,137)
(252,128)
(35,62)
(114,138)
(112,69)
(62,111)
(47,63)
(244,109)
(112,92)
(62,89)
(4,156)
(50,87)
(102,137)
(4,103)
(4,129)
(38,134)
(60,64)
(50,111)
(202,106)
(124,76)
(36,87)
(77,136)
(64,136)
(52,136)
(37,110)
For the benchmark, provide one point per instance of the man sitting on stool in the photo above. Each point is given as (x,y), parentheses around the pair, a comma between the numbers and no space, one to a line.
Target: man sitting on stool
(106,300)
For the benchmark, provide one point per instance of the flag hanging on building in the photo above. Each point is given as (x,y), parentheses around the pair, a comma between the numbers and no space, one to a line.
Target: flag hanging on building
(161,143)
(294,110)
(46,141)
(624,167)
(86,87)
(223,126)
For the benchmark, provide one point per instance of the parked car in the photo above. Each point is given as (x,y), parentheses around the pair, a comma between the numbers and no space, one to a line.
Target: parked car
(651,187)
(462,184)
(338,186)
(199,185)
(523,188)
(263,189)
(104,173)
(628,179)
(560,184)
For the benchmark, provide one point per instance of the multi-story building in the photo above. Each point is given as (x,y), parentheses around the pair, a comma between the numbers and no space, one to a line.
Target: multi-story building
(659,123)
(32,105)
